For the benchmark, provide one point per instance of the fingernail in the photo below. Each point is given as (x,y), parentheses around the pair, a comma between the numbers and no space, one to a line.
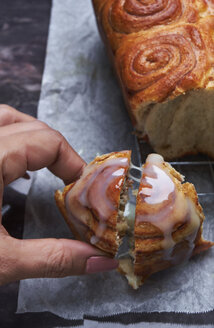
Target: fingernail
(100,264)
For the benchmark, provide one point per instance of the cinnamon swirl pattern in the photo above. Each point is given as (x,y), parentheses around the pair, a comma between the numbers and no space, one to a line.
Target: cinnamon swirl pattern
(91,204)
(163,63)
(121,17)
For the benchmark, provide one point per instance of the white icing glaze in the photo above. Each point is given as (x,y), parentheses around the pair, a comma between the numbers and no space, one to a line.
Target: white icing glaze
(94,194)
(165,206)
(160,185)
(135,168)
(90,192)
(155,159)
(129,213)
(94,240)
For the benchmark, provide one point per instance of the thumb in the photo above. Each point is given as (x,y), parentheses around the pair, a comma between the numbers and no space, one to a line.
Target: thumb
(37,258)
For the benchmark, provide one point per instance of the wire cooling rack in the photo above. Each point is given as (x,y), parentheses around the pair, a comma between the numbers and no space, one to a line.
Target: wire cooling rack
(197,169)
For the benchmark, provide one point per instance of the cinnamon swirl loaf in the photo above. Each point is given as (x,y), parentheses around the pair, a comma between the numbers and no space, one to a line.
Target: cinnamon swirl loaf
(163,54)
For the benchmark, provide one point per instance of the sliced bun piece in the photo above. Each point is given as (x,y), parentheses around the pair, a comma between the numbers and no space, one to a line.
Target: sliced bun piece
(93,206)
(168,222)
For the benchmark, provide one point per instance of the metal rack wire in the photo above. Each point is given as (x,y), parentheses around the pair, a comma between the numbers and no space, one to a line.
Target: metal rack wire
(198,169)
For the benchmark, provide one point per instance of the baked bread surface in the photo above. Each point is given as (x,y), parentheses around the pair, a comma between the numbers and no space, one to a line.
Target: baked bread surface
(163,54)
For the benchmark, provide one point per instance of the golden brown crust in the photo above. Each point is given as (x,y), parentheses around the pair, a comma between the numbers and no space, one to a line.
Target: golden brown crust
(83,221)
(172,55)
(156,65)
(160,49)
(119,18)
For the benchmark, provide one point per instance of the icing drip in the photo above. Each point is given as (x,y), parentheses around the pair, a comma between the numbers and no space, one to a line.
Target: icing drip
(137,170)
(94,194)
(94,191)
(94,240)
(160,185)
(165,207)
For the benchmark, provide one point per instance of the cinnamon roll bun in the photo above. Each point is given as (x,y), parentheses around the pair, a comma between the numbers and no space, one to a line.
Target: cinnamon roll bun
(93,206)
(168,222)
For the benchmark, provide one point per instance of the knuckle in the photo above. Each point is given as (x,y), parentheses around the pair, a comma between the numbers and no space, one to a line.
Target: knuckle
(57,135)
(39,125)
(59,261)
(5,111)
(59,140)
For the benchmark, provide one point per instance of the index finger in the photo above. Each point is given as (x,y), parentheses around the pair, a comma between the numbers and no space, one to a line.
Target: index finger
(9,115)
(37,149)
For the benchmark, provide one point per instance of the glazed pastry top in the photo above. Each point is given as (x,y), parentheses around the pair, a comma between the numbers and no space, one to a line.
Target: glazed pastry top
(163,208)
(94,199)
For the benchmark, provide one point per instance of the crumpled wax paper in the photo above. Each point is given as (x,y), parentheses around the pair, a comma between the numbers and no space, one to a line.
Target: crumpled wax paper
(81,98)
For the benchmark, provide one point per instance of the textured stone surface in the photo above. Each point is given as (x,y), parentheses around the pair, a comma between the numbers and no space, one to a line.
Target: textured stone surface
(23,35)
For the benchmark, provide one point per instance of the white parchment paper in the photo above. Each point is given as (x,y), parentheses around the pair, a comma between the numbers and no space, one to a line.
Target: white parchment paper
(81,98)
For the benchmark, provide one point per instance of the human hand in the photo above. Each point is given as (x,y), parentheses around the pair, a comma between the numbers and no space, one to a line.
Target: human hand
(29,144)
